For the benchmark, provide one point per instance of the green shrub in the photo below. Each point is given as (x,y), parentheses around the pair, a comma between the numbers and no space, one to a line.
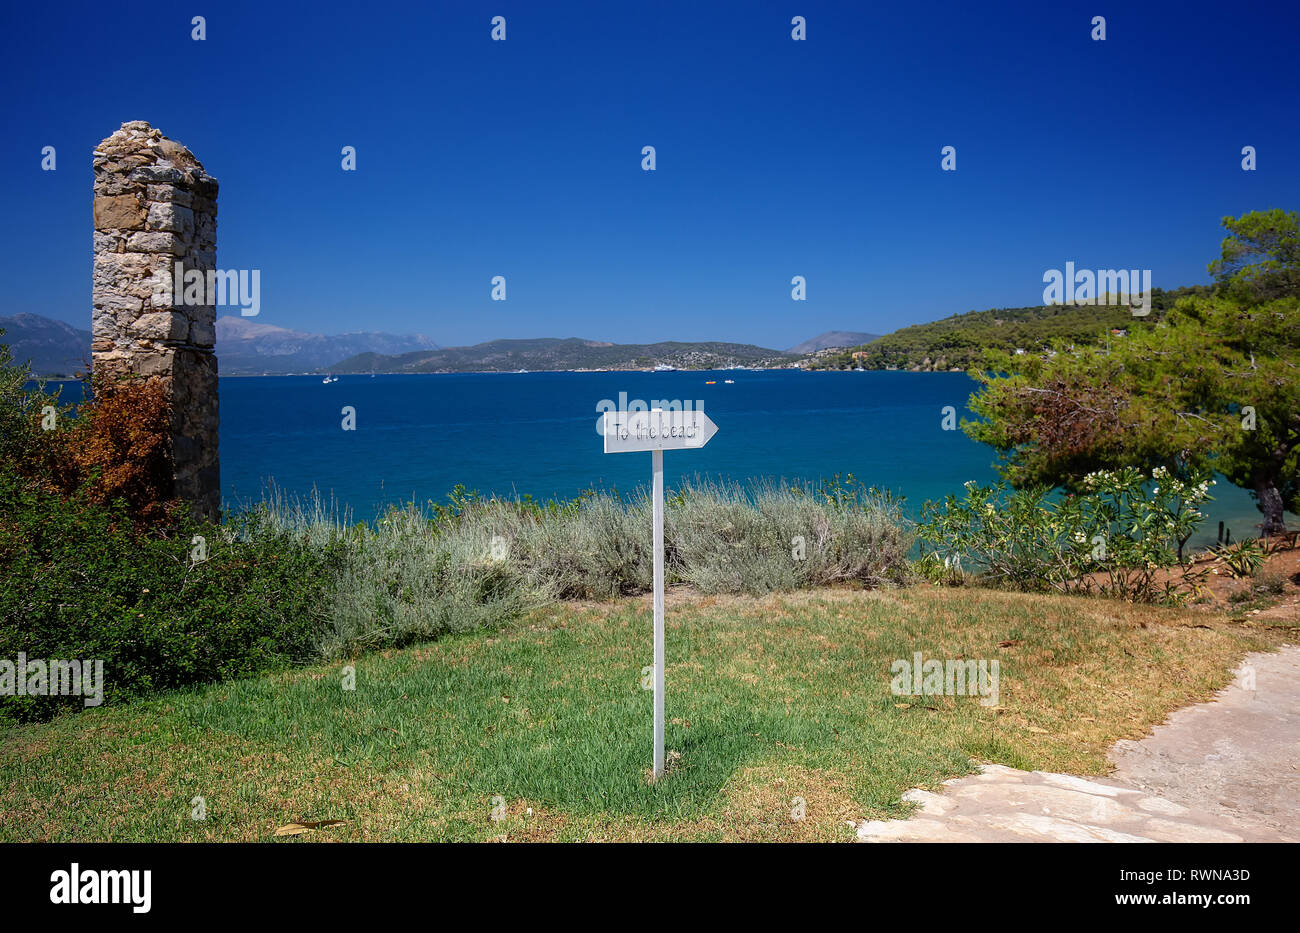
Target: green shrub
(21,404)
(1242,559)
(1117,538)
(945,570)
(114,445)
(79,582)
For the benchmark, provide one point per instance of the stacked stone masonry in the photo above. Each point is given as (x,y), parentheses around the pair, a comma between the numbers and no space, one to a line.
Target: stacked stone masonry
(155,207)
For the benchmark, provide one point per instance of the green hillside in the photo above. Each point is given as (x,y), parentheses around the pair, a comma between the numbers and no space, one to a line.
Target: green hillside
(959,341)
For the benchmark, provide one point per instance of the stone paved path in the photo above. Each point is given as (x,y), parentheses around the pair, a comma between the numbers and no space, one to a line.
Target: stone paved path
(1223,771)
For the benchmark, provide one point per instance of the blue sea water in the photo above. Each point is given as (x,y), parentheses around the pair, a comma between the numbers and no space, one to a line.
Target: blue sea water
(514,433)
(418,436)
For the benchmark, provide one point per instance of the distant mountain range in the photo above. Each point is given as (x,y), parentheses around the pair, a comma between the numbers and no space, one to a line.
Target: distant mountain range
(553,353)
(833,338)
(53,347)
(245,347)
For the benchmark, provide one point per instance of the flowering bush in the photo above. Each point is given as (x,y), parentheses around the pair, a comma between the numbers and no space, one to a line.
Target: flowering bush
(1118,536)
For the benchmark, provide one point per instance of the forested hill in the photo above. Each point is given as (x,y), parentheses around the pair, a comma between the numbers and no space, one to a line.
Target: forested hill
(959,342)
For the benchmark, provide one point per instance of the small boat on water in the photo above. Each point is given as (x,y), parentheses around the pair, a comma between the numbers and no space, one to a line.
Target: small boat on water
(711,382)
(730,382)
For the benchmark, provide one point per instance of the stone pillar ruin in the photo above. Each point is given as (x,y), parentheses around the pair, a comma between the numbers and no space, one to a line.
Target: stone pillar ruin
(156,207)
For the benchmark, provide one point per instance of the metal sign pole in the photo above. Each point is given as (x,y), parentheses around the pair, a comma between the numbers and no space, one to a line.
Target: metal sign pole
(658,465)
(625,432)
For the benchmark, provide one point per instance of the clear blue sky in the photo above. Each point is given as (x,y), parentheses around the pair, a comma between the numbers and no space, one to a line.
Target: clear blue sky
(775,158)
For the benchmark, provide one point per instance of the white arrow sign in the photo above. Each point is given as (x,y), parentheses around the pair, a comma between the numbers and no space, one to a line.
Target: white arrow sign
(632,431)
(656,431)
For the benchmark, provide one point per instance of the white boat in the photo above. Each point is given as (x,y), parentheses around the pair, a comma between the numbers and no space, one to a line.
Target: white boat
(729,382)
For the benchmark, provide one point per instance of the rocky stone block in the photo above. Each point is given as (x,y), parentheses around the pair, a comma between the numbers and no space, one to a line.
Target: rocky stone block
(162,325)
(170,217)
(119,212)
(155,242)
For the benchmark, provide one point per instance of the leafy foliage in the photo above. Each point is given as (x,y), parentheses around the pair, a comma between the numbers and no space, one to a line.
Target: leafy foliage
(1242,559)
(724,539)
(96,560)
(21,406)
(1260,259)
(1215,385)
(1117,538)
(119,448)
(114,446)
(80,583)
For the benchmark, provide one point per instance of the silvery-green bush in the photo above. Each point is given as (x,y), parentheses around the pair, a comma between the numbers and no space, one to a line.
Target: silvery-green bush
(414,575)
(723,538)
(422,572)
(595,547)
(411,581)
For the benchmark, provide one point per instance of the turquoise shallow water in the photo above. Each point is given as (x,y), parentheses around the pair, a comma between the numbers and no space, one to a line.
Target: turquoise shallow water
(516,433)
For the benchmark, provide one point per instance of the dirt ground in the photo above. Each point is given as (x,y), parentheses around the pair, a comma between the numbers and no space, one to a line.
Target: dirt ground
(1251,597)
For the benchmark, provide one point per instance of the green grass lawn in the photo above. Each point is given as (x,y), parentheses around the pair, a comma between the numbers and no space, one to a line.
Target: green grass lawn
(768,699)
